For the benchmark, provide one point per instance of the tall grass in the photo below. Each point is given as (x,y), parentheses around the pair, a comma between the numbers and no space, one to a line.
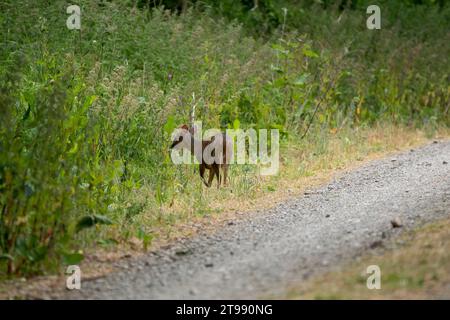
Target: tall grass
(86,115)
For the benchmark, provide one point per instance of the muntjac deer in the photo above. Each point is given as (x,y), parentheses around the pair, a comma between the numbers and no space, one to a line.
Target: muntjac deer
(213,154)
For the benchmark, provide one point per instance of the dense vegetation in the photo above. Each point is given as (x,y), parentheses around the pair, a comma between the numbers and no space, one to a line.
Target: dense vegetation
(86,115)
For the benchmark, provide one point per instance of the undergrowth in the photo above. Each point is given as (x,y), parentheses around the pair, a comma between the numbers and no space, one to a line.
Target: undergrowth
(86,115)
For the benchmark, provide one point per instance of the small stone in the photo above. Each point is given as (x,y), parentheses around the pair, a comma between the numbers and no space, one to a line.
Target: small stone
(444,162)
(327,216)
(376,244)
(396,223)
(209,264)
(435,141)
(183,252)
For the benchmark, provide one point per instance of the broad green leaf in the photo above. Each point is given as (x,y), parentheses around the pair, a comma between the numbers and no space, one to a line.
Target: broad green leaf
(88,102)
(279,48)
(280,82)
(85,222)
(309,53)
(72,258)
(102,219)
(74,149)
(236,124)
(89,221)
(169,126)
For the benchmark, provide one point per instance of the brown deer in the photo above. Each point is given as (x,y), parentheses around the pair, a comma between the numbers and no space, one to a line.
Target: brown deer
(213,154)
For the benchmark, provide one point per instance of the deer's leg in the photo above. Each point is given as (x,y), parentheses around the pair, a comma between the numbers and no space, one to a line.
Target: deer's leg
(225,173)
(217,173)
(202,174)
(211,177)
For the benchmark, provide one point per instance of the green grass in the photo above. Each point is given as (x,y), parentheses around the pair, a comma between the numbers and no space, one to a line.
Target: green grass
(87,116)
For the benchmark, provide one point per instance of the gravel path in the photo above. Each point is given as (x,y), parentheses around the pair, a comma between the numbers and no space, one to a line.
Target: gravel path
(260,256)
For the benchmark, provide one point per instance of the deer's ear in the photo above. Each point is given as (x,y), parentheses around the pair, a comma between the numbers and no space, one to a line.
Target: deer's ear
(185,127)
